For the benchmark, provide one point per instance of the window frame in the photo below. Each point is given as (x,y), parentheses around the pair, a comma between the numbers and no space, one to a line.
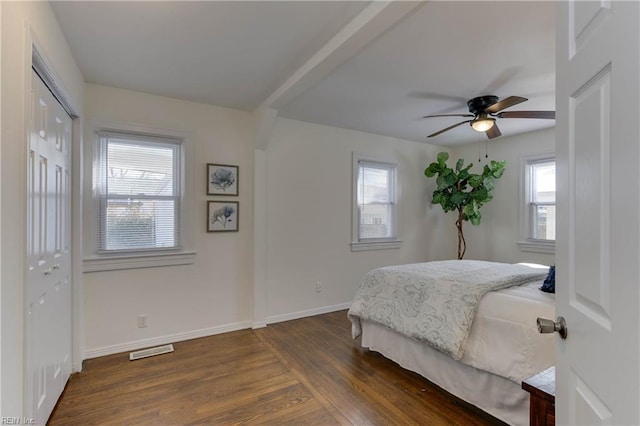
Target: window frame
(142,140)
(366,244)
(98,259)
(526,241)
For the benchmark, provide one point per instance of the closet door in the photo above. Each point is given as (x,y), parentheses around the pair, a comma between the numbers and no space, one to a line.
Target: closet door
(48,280)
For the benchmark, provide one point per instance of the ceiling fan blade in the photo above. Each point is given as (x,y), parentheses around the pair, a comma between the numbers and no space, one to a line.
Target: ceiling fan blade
(528,114)
(493,132)
(449,128)
(449,115)
(505,103)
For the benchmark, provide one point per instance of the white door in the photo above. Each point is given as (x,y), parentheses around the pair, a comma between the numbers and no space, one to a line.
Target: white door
(48,292)
(597,250)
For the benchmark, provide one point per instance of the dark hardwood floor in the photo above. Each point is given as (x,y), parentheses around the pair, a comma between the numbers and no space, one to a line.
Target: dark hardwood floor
(306,371)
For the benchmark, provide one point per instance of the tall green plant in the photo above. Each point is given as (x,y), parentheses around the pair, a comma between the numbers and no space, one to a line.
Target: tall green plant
(459,189)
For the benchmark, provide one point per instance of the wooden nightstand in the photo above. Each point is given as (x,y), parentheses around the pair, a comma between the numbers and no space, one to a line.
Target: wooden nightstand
(542,388)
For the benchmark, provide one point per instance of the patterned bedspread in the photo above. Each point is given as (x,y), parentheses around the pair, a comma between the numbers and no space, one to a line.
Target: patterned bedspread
(434,302)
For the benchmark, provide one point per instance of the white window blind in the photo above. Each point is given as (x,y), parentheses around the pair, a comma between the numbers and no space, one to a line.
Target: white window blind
(542,200)
(376,201)
(139,191)
(537,203)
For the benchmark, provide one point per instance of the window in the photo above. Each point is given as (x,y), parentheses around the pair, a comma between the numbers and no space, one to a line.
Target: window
(138,185)
(542,200)
(137,199)
(375,205)
(538,206)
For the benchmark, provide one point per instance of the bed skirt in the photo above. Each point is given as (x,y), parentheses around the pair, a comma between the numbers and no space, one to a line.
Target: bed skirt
(496,395)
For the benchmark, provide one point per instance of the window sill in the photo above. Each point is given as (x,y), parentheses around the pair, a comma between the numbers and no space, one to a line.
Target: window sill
(538,246)
(378,245)
(114,263)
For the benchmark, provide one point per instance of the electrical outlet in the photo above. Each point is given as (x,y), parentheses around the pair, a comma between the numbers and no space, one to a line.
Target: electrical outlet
(142,321)
(318,287)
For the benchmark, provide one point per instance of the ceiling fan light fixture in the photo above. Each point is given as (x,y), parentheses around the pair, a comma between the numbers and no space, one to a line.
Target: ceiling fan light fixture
(483,124)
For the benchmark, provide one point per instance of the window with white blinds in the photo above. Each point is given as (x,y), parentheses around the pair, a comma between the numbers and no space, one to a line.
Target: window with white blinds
(375,205)
(537,211)
(376,201)
(138,187)
(542,199)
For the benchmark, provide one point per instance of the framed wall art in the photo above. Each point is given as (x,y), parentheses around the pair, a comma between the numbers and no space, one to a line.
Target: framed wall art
(222,179)
(222,216)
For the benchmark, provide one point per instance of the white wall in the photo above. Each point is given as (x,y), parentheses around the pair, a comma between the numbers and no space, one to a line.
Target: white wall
(309,174)
(495,238)
(216,292)
(20,22)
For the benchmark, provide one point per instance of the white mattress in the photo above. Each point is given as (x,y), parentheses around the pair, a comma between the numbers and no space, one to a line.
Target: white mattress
(504,348)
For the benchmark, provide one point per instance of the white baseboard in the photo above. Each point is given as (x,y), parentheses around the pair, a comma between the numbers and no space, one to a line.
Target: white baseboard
(205,332)
(163,340)
(258,324)
(302,314)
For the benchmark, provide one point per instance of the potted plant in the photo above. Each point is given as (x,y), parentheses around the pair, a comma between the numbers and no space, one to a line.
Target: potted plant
(465,192)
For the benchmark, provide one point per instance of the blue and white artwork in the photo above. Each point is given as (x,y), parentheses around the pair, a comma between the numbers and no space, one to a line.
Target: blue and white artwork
(222,216)
(222,179)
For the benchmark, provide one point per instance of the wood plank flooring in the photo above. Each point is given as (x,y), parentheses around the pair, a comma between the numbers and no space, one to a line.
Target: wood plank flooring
(306,371)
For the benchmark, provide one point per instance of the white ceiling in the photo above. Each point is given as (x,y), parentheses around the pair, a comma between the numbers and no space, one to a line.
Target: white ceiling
(378,75)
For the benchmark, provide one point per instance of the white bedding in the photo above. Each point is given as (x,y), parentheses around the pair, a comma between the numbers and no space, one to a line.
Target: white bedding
(504,339)
(434,302)
(504,342)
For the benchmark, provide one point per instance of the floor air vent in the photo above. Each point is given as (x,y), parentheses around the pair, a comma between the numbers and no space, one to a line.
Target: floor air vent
(158,350)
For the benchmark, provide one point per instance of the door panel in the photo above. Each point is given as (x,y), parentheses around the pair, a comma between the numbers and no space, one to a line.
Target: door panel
(598,227)
(589,409)
(48,292)
(589,109)
(586,19)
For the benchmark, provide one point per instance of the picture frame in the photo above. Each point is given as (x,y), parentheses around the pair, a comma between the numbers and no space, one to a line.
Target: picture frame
(222,216)
(222,179)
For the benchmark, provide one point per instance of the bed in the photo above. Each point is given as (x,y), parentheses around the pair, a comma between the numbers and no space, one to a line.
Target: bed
(467,326)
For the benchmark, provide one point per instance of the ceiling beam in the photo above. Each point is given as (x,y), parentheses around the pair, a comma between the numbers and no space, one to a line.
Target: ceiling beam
(374,20)
(264,119)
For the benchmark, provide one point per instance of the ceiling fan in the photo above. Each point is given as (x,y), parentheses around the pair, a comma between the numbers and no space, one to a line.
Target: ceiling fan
(485,110)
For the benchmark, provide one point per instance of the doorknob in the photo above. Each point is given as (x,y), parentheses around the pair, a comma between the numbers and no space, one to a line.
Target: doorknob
(549,326)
